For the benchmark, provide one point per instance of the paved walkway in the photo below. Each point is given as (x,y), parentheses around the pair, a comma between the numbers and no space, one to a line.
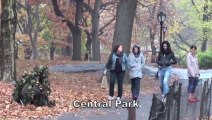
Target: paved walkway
(150,70)
(142,113)
(111,113)
(76,68)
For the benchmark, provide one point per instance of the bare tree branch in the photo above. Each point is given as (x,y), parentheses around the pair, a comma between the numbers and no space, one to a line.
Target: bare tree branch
(182,23)
(88,8)
(177,44)
(192,1)
(60,14)
(85,21)
(104,5)
(20,28)
(56,9)
(104,10)
(86,25)
(143,5)
(89,36)
(183,40)
(101,29)
(21,5)
(42,27)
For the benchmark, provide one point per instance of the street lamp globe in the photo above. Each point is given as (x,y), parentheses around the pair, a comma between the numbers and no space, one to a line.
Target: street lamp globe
(161,17)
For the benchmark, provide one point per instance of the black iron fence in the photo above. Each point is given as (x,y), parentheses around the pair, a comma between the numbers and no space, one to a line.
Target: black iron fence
(177,107)
(205,103)
(168,109)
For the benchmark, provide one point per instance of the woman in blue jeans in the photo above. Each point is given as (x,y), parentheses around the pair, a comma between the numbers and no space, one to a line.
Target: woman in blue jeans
(166,58)
(193,73)
(116,64)
(136,61)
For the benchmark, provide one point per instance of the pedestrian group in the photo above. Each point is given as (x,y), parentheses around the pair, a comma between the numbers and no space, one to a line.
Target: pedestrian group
(118,62)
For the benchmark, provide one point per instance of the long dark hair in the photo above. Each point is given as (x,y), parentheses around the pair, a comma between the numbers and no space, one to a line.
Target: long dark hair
(115,49)
(169,50)
(193,46)
(136,46)
(109,61)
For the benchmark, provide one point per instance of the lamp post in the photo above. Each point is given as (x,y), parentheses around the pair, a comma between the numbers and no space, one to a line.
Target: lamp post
(161,18)
(164,32)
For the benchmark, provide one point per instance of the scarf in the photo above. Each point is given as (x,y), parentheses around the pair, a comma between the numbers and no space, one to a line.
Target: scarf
(119,55)
(136,54)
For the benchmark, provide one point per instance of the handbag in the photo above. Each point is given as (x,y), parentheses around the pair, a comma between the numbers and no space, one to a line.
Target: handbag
(104,80)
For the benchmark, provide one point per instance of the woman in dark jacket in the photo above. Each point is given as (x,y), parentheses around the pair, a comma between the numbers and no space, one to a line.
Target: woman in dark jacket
(165,59)
(116,64)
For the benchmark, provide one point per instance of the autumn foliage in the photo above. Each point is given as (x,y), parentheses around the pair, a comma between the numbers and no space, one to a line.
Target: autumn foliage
(65,89)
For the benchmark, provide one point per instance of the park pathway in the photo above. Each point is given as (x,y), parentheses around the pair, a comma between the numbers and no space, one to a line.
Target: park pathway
(145,101)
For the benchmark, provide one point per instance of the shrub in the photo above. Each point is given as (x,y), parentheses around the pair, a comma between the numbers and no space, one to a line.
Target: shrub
(205,59)
(33,88)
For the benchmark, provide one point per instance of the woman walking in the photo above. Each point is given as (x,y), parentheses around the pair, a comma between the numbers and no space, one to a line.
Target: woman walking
(165,59)
(193,73)
(136,61)
(117,64)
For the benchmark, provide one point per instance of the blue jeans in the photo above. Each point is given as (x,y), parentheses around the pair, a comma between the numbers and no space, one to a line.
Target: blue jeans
(135,87)
(192,84)
(164,75)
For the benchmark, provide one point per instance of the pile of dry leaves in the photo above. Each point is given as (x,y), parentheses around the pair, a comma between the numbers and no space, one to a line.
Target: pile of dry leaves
(66,87)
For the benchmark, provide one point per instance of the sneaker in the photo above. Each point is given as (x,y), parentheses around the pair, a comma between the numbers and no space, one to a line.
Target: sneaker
(192,100)
(135,98)
(195,98)
(163,98)
(118,98)
(110,98)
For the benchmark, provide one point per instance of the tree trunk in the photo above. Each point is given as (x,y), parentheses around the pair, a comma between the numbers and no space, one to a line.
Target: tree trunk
(88,46)
(52,50)
(68,49)
(124,23)
(152,30)
(95,32)
(206,18)
(63,51)
(154,52)
(204,43)
(1,51)
(76,33)
(152,36)
(125,14)
(16,50)
(76,44)
(8,28)
(33,39)
(74,28)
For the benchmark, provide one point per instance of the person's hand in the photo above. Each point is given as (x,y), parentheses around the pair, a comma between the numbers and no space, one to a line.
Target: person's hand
(197,75)
(163,64)
(132,67)
(167,63)
(105,71)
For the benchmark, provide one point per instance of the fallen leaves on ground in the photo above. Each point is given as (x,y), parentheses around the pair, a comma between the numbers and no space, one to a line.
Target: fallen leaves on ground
(66,88)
